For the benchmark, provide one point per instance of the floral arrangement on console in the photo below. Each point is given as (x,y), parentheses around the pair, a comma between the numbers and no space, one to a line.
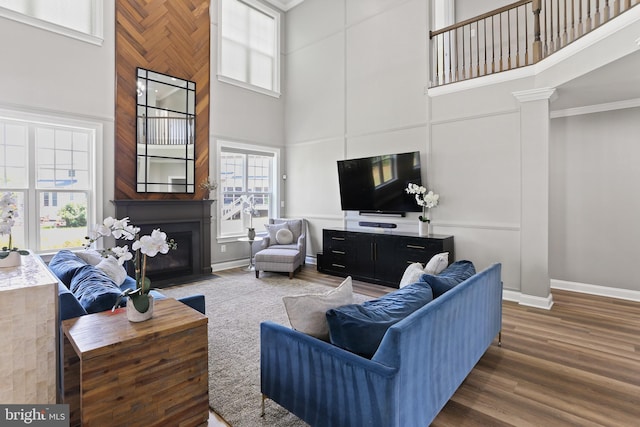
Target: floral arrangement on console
(208,185)
(8,214)
(424,198)
(143,247)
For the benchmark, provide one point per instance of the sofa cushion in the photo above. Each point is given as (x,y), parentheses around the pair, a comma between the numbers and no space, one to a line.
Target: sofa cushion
(359,328)
(113,269)
(90,256)
(437,263)
(307,313)
(64,264)
(411,274)
(94,289)
(451,276)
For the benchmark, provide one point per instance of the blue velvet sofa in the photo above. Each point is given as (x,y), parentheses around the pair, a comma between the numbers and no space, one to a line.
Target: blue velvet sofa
(420,362)
(101,293)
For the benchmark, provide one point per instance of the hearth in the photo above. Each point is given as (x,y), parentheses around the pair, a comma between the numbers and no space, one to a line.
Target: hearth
(188,222)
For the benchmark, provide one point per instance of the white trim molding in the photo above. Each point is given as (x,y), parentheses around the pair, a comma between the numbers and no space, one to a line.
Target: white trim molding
(544,303)
(596,108)
(285,5)
(604,291)
(538,94)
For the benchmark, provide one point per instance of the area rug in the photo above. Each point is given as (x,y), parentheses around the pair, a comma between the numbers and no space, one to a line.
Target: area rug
(235,307)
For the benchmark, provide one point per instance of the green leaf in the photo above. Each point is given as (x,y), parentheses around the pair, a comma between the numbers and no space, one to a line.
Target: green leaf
(141,302)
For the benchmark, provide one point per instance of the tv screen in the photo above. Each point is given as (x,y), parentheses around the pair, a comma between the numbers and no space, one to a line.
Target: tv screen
(377,184)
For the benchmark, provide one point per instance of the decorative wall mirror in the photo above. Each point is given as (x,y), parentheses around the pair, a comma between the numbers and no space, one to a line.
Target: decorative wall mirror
(165,131)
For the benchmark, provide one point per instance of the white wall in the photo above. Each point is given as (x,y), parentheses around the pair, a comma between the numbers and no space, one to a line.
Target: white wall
(43,72)
(356,78)
(594,206)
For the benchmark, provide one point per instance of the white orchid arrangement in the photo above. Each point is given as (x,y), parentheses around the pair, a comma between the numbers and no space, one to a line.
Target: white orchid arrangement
(250,209)
(424,198)
(143,247)
(8,214)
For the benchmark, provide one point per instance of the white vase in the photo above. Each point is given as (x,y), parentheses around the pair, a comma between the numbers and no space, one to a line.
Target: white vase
(14,259)
(423,228)
(135,316)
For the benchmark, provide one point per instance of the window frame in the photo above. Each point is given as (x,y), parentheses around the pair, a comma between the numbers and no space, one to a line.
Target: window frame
(273,13)
(31,193)
(274,205)
(96,37)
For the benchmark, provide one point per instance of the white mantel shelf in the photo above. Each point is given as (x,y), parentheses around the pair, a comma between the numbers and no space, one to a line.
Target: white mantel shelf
(28,325)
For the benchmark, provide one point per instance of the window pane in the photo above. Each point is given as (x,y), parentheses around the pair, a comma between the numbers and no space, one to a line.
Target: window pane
(234,16)
(262,32)
(234,61)
(63,219)
(261,70)
(76,15)
(13,155)
(62,158)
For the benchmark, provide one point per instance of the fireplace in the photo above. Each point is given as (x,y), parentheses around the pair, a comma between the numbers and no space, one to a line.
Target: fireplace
(188,222)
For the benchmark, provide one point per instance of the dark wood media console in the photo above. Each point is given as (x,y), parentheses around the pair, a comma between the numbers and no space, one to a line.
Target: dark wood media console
(379,258)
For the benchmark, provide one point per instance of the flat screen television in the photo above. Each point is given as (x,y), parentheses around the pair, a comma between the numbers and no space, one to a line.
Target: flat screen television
(376,185)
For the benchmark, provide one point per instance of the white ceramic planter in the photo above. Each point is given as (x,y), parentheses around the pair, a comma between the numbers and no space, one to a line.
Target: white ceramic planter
(423,228)
(14,259)
(135,316)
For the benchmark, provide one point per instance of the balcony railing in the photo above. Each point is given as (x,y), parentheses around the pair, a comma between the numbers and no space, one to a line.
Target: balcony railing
(515,35)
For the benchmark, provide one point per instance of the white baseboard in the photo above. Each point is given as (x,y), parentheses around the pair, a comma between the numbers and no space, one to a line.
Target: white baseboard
(229,264)
(529,300)
(604,291)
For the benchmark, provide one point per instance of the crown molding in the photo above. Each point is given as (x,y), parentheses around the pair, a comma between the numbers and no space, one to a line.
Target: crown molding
(284,5)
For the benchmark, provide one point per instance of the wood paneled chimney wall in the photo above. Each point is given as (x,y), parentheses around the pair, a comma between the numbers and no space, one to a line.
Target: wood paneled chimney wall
(170,37)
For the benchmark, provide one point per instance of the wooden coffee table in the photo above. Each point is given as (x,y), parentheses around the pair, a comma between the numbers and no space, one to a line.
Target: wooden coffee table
(152,373)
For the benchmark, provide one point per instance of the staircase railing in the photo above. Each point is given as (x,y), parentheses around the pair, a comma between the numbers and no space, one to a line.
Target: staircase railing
(516,35)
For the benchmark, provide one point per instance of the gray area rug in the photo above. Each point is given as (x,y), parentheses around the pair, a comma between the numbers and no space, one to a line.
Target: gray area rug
(235,307)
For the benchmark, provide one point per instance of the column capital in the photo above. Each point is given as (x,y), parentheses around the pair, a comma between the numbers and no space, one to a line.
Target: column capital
(536,94)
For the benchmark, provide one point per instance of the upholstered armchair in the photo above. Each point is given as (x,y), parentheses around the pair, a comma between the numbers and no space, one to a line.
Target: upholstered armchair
(284,248)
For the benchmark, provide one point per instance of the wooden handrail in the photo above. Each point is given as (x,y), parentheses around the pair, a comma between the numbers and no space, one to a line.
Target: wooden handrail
(515,35)
(498,11)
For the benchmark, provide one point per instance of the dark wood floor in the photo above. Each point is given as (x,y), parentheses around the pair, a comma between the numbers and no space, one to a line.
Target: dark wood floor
(577,364)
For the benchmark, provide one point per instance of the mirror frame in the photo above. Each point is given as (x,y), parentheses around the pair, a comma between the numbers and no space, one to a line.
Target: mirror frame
(165,133)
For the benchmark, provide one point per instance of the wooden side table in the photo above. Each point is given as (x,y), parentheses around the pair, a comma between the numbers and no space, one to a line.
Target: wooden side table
(28,333)
(152,373)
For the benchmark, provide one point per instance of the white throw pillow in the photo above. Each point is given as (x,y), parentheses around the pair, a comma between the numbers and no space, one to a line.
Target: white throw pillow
(307,313)
(273,230)
(437,263)
(284,236)
(411,274)
(90,256)
(111,268)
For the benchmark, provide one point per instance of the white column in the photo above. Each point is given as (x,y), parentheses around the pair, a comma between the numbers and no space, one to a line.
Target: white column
(534,223)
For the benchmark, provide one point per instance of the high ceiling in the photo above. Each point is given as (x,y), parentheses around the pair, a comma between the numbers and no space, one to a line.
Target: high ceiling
(284,4)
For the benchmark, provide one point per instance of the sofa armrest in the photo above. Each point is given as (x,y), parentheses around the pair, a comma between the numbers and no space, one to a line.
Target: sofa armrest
(68,305)
(194,301)
(306,375)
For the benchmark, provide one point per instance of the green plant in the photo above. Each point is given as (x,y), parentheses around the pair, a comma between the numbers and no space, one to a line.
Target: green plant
(74,215)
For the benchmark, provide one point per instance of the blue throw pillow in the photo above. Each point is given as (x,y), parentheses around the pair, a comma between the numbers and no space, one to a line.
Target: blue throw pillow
(94,289)
(64,264)
(359,328)
(451,276)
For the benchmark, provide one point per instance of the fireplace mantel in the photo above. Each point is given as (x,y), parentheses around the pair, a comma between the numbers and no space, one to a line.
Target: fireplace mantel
(166,214)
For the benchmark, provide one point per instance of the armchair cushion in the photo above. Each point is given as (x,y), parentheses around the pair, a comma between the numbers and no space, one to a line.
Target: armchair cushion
(273,229)
(284,236)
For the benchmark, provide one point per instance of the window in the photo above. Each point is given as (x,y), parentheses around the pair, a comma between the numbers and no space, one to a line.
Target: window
(249,46)
(247,176)
(78,19)
(49,166)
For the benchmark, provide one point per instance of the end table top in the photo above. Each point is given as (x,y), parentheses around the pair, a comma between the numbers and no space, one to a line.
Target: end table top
(95,334)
